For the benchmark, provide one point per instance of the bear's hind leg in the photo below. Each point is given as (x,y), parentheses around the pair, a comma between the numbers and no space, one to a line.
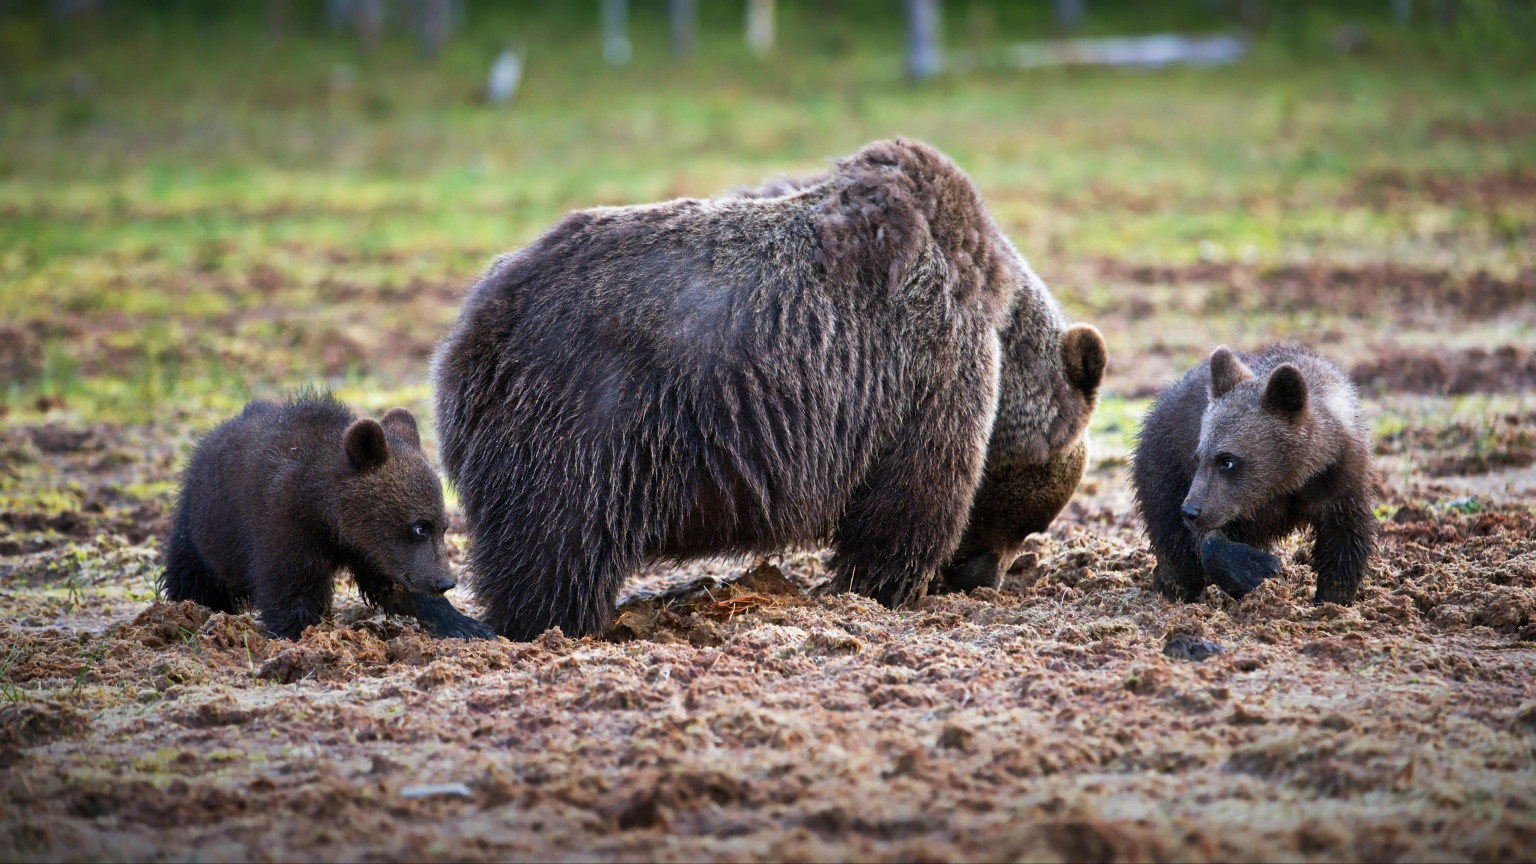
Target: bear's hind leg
(292,598)
(188,577)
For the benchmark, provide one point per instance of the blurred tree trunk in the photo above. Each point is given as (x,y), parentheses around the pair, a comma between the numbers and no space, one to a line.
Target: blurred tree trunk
(1402,12)
(923,57)
(760,26)
(1069,14)
(1445,13)
(279,19)
(338,14)
(1252,13)
(433,21)
(616,49)
(684,15)
(368,21)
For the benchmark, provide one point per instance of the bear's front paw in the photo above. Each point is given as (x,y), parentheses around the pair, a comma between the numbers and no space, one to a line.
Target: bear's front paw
(980,571)
(460,627)
(1233,567)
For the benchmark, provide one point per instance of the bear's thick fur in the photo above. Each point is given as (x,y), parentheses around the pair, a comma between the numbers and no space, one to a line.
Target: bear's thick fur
(278,498)
(1242,451)
(812,362)
(1037,452)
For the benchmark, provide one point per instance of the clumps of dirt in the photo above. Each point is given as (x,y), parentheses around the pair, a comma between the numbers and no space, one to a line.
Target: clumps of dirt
(1464,448)
(55,439)
(1398,189)
(661,795)
(69,523)
(327,655)
(1510,127)
(1086,836)
(740,711)
(166,624)
(1187,646)
(21,353)
(29,532)
(218,711)
(689,612)
(232,641)
(103,462)
(1080,561)
(1505,369)
(1359,291)
(1459,570)
(1315,760)
(30,724)
(268,324)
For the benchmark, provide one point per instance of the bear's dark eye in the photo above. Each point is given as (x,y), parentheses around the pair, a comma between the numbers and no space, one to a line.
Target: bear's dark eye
(421,531)
(1226,462)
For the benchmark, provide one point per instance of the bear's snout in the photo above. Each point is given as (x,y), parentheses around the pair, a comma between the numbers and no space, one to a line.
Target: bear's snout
(1190,511)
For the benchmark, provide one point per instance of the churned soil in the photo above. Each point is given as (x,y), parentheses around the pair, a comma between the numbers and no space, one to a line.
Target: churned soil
(1398,327)
(734,712)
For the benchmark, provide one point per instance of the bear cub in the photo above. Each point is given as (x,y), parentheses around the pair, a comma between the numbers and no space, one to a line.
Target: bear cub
(1242,451)
(278,498)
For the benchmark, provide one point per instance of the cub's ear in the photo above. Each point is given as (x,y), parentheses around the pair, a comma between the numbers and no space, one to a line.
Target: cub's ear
(1084,356)
(1226,372)
(402,423)
(365,444)
(1286,392)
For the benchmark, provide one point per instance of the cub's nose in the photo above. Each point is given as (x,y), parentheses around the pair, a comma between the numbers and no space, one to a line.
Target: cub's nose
(1190,511)
(443,583)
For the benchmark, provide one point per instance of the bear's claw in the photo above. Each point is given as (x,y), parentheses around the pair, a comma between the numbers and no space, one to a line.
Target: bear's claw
(466,628)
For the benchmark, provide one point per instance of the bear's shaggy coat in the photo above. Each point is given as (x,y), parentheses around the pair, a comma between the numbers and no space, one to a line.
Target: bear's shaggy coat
(1244,450)
(810,362)
(275,500)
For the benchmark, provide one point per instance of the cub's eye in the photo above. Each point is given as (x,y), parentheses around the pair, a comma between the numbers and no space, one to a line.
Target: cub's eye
(1226,462)
(421,531)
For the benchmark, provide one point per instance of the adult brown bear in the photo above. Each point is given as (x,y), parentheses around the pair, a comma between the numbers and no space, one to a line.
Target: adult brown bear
(806,363)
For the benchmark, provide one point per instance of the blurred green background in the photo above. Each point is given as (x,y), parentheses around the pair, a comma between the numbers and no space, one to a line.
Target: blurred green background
(202,202)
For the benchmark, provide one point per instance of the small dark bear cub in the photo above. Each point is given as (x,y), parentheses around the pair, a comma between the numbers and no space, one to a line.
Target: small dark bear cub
(277,499)
(1244,450)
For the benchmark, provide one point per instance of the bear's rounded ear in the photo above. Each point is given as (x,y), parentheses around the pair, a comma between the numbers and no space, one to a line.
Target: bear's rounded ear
(1226,372)
(1084,356)
(1286,392)
(365,444)
(402,423)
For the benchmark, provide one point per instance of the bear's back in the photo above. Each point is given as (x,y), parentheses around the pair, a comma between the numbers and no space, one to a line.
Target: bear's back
(243,473)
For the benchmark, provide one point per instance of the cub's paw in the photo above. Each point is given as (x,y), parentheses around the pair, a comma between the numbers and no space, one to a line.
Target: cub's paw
(1233,567)
(461,627)
(1178,586)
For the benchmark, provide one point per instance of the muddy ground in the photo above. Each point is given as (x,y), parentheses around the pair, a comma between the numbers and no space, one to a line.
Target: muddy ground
(729,714)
